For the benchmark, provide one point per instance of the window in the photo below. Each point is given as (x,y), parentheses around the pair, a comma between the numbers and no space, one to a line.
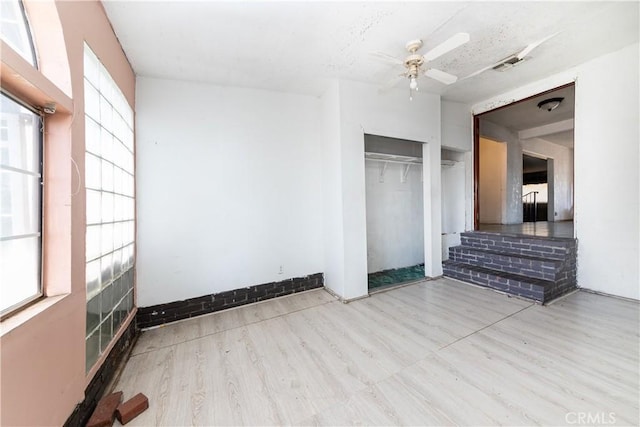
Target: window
(110,206)
(20,205)
(15,30)
(20,178)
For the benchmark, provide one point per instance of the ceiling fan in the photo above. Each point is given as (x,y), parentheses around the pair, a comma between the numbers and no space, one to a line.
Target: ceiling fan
(416,64)
(512,60)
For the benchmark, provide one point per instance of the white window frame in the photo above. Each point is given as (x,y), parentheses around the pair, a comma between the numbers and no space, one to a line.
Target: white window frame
(39,174)
(21,20)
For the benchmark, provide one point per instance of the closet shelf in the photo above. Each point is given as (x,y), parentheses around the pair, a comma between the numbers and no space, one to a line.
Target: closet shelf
(385,159)
(392,158)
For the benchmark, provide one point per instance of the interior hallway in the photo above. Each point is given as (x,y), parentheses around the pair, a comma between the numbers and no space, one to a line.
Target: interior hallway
(541,228)
(433,353)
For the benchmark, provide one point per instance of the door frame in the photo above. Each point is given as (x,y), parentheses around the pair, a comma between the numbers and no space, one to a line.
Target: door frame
(476,147)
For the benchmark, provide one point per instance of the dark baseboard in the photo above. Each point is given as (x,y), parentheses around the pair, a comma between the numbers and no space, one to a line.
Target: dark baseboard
(103,377)
(178,310)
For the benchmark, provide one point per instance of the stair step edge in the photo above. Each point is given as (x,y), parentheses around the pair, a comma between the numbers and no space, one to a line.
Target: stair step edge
(506,253)
(501,274)
(551,274)
(524,289)
(558,253)
(495,234)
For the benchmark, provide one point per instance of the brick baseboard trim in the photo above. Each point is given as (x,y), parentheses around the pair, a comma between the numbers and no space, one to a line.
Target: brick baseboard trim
(170,312)
(103,378)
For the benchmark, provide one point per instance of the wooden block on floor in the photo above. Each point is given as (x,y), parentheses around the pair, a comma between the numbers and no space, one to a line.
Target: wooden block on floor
(105,411)
(132,408)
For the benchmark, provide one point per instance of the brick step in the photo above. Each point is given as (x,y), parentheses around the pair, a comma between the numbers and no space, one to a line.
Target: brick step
(543,247)
(526,287)
(524,265)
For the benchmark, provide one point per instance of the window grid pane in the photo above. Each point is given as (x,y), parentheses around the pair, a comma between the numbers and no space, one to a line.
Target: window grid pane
(20,205)
(14,29)
(109,180)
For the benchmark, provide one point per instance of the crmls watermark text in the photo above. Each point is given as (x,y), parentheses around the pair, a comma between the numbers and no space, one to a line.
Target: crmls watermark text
(590,418)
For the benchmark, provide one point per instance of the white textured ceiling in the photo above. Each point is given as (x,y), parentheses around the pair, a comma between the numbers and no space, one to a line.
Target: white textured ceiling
(526,115)
(297,46)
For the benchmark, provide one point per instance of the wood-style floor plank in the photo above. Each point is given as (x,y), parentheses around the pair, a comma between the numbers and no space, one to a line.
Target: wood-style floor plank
(189,329)
(433,353)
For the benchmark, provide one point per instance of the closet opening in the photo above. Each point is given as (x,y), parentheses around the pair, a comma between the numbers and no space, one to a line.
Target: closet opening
(453,176)
(395,211)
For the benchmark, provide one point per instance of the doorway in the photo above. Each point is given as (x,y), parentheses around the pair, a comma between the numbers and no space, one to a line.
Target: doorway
(535,188)
(532,156)
(394,211)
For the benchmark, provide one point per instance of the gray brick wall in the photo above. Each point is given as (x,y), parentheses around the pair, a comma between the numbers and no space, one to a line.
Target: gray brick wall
(178,310)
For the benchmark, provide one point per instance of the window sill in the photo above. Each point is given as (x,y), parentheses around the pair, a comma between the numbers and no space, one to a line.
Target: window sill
(23,316)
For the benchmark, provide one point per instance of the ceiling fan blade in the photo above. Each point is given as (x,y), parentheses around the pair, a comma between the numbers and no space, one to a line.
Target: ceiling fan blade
(441,76)
(527,50)
(391,84)
(386,58)
(453,42)
(482,70)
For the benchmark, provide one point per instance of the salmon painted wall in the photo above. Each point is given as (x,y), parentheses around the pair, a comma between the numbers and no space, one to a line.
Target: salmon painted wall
(42,349)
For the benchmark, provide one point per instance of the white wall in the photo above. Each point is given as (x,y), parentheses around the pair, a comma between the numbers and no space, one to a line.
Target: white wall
(395,217)
(229,188)
(512,194)
(332,191)
(457,135)
(492,181)
(362,109)
(453,204)
(391,114)
(607,187)
(607,193)
(562,175)
(457,132)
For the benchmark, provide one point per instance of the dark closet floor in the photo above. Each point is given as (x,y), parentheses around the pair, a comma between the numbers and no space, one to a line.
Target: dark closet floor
(396,276)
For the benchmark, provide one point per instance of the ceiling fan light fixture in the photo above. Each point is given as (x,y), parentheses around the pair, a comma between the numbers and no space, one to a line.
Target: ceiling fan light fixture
(415,63)
(550,104)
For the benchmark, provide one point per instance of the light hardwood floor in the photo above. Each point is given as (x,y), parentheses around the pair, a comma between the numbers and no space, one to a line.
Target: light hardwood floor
(433,353)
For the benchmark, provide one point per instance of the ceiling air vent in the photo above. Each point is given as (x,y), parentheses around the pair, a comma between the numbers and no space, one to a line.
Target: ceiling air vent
(507,63)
